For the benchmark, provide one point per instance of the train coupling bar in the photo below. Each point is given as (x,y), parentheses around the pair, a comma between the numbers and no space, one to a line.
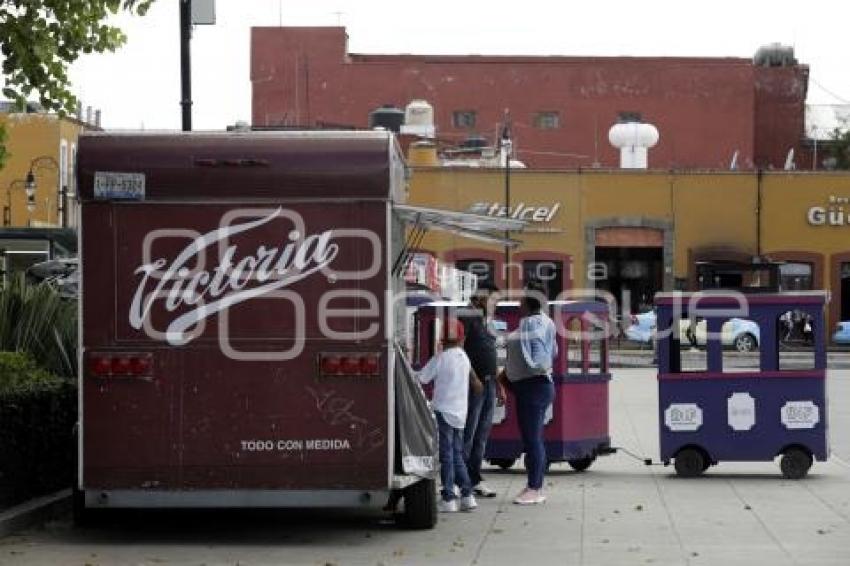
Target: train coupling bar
(627,452)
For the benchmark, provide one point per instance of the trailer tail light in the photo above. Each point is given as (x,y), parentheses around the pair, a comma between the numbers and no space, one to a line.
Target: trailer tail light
(350,364)
(330,365)
(99,366)
(369,365)
(120,365)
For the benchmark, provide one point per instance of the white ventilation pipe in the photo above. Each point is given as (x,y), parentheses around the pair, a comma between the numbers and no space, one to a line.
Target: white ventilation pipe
(633,139)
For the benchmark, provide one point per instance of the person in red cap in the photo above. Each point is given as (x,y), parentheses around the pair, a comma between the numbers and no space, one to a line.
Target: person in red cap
(452,374)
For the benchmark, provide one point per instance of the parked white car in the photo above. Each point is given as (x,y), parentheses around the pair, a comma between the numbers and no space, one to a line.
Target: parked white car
(738,333)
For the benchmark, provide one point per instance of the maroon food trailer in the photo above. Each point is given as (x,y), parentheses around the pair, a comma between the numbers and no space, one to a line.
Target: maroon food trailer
(241,310)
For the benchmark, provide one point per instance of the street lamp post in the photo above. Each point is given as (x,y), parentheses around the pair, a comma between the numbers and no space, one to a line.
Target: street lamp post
(7,210)
(31,184)
(186,63)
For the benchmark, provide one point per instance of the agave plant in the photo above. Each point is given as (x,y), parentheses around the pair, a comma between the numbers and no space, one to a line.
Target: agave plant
(36,320)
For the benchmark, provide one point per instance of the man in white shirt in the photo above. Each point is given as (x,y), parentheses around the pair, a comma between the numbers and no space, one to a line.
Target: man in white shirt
(452,374)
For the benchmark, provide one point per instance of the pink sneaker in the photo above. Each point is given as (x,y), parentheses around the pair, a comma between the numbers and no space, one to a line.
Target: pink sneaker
(529,497)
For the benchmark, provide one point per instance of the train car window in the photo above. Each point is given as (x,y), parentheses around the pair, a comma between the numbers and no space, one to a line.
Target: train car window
(693,343)
(741,340)
(574,357)
(795,338)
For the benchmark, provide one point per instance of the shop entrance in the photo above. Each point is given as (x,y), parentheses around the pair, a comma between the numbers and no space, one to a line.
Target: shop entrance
(845,291)
(632,275)
(630,264)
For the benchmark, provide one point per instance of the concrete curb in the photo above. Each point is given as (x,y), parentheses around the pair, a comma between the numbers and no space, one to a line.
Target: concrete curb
(34,511)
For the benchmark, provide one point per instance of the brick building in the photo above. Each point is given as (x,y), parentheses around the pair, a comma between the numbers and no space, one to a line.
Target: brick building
(706,109)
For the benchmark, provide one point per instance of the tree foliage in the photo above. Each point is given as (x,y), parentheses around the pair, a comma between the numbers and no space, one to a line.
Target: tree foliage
(39,39)
(839,147)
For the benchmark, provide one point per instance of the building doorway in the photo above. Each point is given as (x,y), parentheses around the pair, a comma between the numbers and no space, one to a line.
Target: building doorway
(629,264)
(845,291)
(631,274)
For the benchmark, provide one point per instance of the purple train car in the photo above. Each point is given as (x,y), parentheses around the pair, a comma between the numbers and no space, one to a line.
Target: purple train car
(720,414)
(576,429)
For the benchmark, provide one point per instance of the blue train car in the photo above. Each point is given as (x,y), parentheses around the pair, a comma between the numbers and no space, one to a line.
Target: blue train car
(713,414)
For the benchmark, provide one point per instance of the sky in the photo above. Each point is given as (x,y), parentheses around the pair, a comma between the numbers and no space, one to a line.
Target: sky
(139,86)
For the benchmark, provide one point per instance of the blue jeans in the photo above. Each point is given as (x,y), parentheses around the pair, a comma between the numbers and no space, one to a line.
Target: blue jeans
(533,397)
(452,466)
(479,421)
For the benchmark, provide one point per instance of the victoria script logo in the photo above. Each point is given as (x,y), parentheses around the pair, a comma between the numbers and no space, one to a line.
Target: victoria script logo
(206,293)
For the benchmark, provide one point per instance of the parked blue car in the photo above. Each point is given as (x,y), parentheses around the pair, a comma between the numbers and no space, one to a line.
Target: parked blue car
(842,333)
(738,333)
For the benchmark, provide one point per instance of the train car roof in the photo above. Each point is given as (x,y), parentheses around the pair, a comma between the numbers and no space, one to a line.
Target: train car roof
(723,298)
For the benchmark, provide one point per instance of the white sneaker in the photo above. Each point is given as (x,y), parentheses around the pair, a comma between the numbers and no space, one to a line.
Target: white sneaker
(529,497)
(447,506)
(468,503)
(482,490)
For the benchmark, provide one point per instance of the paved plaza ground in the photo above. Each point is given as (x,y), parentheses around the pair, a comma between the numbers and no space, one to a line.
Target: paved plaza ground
(620,512)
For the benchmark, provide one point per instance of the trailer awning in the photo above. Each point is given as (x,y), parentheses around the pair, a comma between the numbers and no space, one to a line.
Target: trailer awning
(489,229)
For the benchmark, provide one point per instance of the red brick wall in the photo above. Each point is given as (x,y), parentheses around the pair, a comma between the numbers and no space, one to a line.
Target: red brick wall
(704,109)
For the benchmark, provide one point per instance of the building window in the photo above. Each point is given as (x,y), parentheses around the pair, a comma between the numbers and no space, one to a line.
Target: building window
(795,276)
(463,119)
(549,273)
(548,120)
(626,116)
(483,269)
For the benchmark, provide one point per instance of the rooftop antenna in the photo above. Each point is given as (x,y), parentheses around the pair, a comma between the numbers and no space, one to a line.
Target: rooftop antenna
(339,16)
(280,13)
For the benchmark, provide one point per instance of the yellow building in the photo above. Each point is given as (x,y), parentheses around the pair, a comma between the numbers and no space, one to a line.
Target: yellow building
(44,145)
(638,232)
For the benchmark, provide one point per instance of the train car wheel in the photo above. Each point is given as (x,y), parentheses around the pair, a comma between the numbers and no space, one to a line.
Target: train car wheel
(690,462)
(420,505)
(581,464)
(795,463)
(503,463)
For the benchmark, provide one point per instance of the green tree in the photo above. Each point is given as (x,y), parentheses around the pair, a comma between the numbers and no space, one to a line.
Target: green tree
(839,147)
(39,39)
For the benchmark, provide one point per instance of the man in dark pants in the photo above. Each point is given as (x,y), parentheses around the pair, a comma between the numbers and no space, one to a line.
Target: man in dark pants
(480,347)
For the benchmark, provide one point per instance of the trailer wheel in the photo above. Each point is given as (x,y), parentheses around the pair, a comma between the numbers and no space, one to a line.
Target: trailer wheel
(795,463)
(581,464)
(690,462)
(503,463)
(420,505)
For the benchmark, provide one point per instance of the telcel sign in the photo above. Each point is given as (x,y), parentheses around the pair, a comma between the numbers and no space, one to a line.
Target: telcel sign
(522,211)
(831,215)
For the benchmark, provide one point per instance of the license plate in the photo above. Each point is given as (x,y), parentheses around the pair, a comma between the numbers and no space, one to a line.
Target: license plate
(124,186)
